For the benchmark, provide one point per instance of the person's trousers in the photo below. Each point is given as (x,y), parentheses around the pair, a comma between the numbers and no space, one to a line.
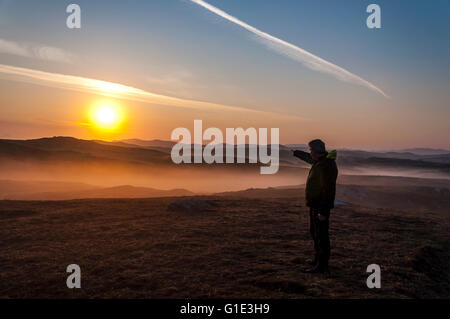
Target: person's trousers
(320,235)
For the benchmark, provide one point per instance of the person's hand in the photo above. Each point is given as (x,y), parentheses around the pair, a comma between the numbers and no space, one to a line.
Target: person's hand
(322,218)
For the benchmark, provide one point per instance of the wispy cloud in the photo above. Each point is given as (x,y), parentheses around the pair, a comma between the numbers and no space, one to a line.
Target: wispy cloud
(176,82)
(14,48)
(294,52)
(115,90)
(36,51)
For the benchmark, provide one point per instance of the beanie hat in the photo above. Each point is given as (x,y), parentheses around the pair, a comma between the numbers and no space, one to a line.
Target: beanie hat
(318,146)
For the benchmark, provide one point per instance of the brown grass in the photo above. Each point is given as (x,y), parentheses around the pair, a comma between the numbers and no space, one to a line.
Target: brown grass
(246,248)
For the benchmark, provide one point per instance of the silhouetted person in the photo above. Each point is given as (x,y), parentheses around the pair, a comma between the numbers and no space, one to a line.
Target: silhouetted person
(320,192)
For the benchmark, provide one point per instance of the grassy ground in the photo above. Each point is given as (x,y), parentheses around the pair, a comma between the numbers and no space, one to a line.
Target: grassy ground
(243,247)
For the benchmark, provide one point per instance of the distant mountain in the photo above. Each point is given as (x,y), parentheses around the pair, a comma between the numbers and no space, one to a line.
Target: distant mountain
(302,147)
(426,151)
(152,158)
(116,143)
(150,143)
(69,149)
(399,163)
(45,190)
(11,187)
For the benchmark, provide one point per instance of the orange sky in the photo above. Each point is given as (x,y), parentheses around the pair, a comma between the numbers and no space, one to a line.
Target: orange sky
(308,76)
(46,111)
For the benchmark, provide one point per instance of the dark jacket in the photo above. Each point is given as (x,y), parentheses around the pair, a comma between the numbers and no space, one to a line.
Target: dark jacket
(321,183)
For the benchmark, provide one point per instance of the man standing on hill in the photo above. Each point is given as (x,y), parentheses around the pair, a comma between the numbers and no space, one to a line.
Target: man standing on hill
(320,192)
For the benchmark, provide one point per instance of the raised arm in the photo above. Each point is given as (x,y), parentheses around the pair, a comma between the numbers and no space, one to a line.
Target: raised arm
(304,156)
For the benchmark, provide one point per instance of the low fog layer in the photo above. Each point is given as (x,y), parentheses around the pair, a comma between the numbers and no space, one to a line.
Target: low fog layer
(85,166)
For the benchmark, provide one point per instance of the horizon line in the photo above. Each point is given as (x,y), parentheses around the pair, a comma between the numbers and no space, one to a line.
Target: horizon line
(341,148)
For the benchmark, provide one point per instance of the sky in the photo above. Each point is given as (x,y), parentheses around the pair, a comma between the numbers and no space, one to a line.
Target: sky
(313,69)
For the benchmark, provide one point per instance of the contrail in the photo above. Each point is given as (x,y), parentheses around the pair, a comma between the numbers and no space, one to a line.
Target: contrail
(115,90)
(294,52)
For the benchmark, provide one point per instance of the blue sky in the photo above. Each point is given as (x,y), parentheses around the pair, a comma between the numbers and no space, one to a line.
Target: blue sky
(179,49)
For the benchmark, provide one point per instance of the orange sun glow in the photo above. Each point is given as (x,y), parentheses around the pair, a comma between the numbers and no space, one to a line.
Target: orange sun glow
(106,116)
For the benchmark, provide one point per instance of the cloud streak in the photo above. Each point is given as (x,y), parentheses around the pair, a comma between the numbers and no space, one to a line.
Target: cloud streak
(294,52)
(35,51)
(115,90)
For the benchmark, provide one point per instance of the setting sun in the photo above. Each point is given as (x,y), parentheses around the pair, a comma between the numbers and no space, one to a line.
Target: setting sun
(106,116)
